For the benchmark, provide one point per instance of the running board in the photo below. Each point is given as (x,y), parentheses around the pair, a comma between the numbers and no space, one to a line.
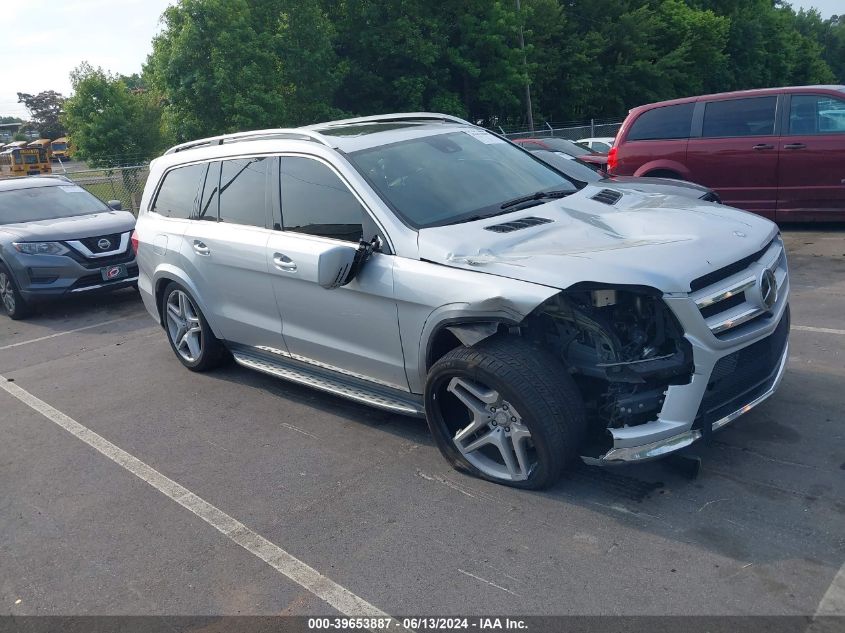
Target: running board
(351,389)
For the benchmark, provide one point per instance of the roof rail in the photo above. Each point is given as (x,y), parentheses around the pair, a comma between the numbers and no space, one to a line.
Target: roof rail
(301,134)
(386,118)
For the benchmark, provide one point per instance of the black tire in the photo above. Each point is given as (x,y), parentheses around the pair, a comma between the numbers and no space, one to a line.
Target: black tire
(20,308)
(533,382)
(213,353)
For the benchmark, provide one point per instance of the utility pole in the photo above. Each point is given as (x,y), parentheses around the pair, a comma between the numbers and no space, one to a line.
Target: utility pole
(528,107)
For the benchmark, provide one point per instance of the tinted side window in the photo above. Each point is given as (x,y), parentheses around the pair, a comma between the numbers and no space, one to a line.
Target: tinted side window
(816,114)
(242,191)
(316,201)
(740,117)
(666,122)
(180,191)
(209,203)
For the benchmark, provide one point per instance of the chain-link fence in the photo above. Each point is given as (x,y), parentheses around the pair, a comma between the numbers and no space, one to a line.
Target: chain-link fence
(120,183)
(572,131)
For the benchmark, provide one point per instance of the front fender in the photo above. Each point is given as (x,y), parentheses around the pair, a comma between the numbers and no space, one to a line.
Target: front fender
(432,296)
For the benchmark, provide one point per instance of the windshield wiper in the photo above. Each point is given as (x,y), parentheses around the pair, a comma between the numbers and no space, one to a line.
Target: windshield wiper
(539,195)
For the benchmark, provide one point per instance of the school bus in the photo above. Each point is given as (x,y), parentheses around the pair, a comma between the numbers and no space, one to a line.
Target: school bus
(61,148)
(24,161)
(44,145)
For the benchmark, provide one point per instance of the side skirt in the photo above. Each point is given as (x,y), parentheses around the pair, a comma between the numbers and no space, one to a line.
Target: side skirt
(335,383)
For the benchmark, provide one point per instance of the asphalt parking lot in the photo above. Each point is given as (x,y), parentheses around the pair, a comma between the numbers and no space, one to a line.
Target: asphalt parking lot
(364,498)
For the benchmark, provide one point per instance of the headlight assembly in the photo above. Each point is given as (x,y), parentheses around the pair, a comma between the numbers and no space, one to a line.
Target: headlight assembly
(40,248)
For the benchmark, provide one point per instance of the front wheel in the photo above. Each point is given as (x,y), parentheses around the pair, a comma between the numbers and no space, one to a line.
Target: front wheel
(10,297)
(506,412)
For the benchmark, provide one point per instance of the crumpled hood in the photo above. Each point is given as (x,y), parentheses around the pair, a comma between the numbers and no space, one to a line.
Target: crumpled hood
(648,239)
(76,227)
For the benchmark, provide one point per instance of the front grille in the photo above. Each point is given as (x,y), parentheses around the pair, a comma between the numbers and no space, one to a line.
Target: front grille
(747,294)
(516,225)
(92,243)
(739,378)
(119,258)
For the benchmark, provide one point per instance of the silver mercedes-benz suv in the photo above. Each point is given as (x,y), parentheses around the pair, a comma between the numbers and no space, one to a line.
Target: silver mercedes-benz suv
(420,264)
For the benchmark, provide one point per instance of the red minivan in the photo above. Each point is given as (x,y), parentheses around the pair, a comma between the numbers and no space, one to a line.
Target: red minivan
(779,152)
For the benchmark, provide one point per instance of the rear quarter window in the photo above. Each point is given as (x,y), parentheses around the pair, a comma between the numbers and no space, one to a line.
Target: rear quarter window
(180,191)
(665,122)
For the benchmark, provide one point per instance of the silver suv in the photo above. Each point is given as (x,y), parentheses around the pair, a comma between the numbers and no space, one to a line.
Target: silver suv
(426,266)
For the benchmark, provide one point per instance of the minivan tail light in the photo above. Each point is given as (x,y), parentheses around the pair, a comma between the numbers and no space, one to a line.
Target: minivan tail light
(612,159)
(134,241)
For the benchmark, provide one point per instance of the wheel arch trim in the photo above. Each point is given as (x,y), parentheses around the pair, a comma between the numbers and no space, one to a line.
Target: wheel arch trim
(166,274)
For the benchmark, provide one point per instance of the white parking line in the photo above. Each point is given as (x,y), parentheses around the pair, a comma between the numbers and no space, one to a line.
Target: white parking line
(286,564)
(833,601)
(79,329)
(820,330)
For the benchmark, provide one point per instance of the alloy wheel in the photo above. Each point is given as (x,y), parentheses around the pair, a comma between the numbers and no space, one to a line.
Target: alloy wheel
(496,441)
(183,326)
(7,292)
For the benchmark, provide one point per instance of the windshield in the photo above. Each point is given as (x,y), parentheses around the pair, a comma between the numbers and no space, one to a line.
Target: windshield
(59,146)
(46,203)
(569,165)
(454,177)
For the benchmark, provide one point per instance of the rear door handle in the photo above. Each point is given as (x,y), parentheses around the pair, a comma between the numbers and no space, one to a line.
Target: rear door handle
(794,146)
(283,262)
(763,146)
(201,249)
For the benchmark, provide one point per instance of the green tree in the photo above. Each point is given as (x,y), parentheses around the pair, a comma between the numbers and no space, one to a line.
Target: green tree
(226,65)
(45,108)
(109,124)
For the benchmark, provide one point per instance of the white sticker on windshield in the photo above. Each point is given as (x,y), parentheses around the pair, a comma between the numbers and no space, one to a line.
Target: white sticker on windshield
(72,188)
(484,136)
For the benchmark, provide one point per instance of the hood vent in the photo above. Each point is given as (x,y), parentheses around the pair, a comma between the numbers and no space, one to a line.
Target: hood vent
(516,225)
(607,196)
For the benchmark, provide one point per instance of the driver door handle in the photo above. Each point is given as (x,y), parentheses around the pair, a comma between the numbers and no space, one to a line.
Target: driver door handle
(283,262)
(201,249)
(794,146)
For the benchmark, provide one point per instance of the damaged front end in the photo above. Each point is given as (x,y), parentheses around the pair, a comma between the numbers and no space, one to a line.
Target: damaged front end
(624,349)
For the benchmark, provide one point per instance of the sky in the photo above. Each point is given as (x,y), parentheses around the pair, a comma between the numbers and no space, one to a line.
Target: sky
(43,42)
(826,7)
(41,46)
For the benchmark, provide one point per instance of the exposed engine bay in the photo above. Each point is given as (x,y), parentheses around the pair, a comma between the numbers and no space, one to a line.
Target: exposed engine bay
(623,346)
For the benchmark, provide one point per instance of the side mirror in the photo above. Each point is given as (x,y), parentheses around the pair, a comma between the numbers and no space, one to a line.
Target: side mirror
(341,264)
(334,266)
(117,205)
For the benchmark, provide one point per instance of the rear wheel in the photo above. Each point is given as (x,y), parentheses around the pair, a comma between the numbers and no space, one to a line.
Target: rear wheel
(10,297)
(190,337)
(506,412)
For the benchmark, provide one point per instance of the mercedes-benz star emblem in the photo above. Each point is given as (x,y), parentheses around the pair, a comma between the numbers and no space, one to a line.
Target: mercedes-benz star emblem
(768,289)
(104,244)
